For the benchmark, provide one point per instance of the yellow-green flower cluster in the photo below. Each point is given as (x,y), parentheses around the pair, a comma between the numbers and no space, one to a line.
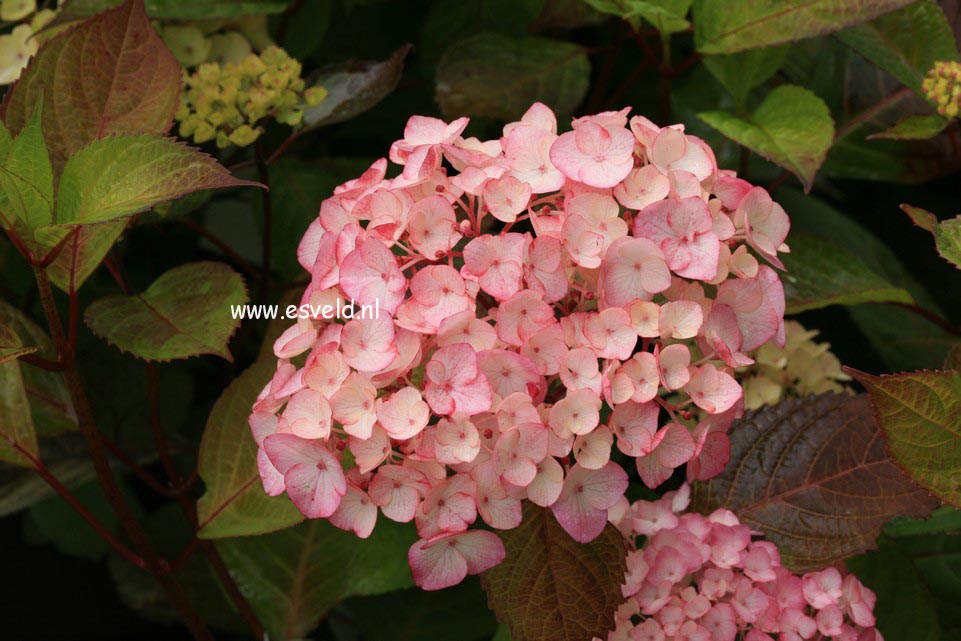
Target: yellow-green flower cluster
(223,41)
(942,86)
(21,43)
(229,102)
(801,368)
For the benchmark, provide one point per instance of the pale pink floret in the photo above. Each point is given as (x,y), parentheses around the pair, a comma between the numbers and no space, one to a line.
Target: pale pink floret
(307,415)
(765,222)
(447,559)
(497,263)
(356,512)
(684,231)
(397,491)
(433,226)
(370,276)
(634,269)
(368,343)
(404,414)
(672,447)
(585,498)
(455,383)
(506,198)
(522,316)
(594,155)
(712,389)
(313,477)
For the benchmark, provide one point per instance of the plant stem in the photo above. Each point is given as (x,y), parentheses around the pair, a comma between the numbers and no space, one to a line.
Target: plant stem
(929,315)
(98,456)
(872,111)
(264,177)
(78,507)
(223,247)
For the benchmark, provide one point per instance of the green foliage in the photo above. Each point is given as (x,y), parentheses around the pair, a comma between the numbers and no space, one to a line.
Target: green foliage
(234,503)
(725,27)
(292,577)
(18,440)
(177,9)
(499,76)
(667,16)
(184,313)
(552,588)
(947,234)
(905,43)
(813,475)
(822,273)
(792,127)
(743,71)
(920,414)
(26,179)
(913,128)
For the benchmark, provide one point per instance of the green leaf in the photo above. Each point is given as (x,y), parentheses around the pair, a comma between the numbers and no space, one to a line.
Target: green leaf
(813,475)
(458,613)
(947,234)
(905,43)
(109,75)
(117,177)
(722,26)
(234,503)
(902,338)
(54,521)
(82,253)
(740,72)
(920,415)
(26,181)
(354,87)
(176,9)
(291,578)
(943,520)
(66,457)
(50,406)
(792,128)
(667,16)
(821,273)
(913,128)
(905,607)
(448,21)
(185,312)
(552,588)
(16,425)
(498,76)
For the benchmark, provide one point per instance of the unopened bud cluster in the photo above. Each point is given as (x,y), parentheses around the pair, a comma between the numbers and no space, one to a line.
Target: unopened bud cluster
(942,86)
(229,102)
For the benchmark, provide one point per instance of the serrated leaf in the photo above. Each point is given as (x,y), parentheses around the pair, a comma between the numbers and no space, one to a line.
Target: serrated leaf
(552,588)
(813,475)
(821,273)
(667,16)
(109,75)
(291,578)
(10,347)
(792,127)
(354,87)
(905,43)
(66,457)
(920,415)
(185,312)
(26,180)
(234,503)
(905,607)
(82,253)
(913,128)
(16,424)
(499,76)
(740,72)
(176,9)
(722,26)
(947,234)
(50,405)
(117,177)
(944,520)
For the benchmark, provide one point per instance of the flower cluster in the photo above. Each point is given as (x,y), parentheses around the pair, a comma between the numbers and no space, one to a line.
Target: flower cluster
(705,578)
(228,102)
(537,306)
(942,86)
(18,46)
(222,41)
(800,368)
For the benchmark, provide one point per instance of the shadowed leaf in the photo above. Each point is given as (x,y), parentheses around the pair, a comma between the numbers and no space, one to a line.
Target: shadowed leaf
(16,425)
(234,503)
(920,415)
(813,475)
(176,9)
(292,578)
(913,128)
(354,87)
(110,74)
(722,26)
(185,312)
(552,588)
(947,234)
(499,76)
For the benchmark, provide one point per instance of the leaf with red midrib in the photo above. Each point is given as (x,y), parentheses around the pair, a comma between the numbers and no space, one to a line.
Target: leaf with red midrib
(552,588)
(109,75)
(814,476)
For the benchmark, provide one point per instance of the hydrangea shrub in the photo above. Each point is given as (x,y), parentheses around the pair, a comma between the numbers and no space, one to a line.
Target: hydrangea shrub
(530,310)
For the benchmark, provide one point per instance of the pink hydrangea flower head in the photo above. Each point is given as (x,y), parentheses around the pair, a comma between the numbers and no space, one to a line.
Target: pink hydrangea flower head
(533,311)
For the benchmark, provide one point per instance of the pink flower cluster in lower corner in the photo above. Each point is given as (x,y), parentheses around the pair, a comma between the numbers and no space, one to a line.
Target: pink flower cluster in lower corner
(542,299)
(709,578)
